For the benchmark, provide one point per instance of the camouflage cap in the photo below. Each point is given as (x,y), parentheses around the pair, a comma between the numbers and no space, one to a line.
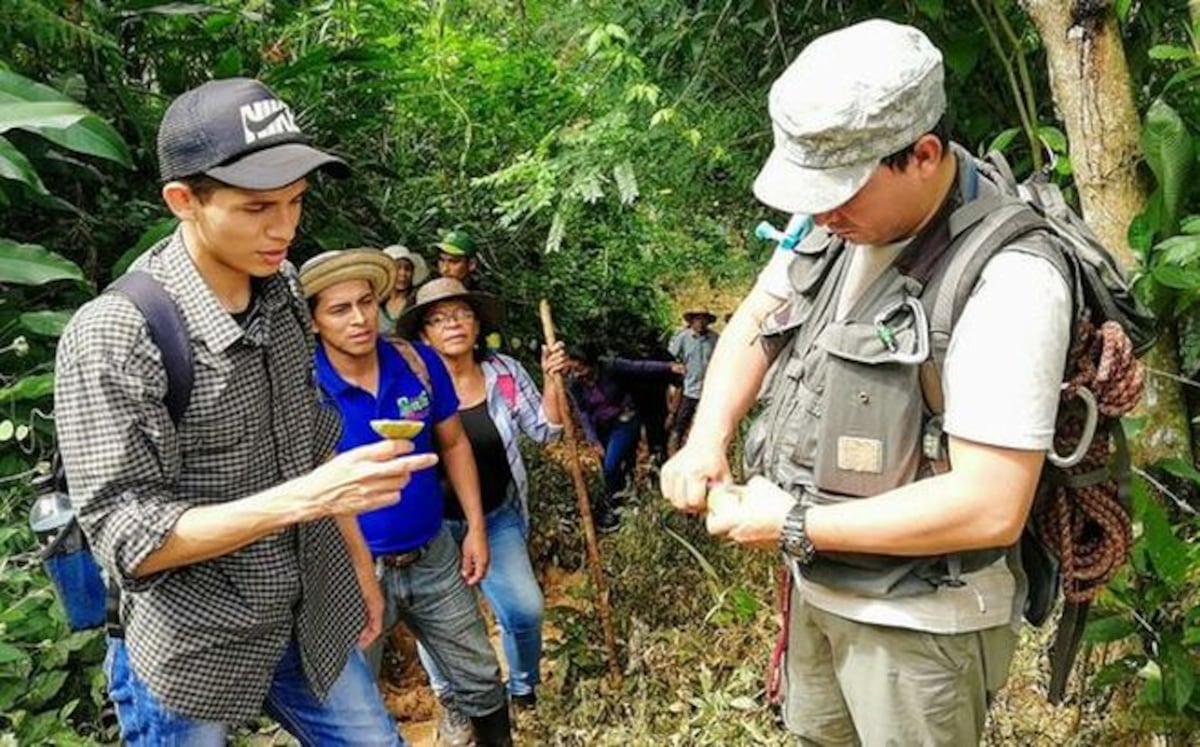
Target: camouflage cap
(852,97)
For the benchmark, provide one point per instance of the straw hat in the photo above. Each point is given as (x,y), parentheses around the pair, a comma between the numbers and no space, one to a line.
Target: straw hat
(420,268)
(487,307)
(702,311)
(338,266)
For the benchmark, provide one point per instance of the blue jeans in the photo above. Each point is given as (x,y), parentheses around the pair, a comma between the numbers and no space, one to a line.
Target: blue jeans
(513,594)
(431,598)
(620,450)
(352,713)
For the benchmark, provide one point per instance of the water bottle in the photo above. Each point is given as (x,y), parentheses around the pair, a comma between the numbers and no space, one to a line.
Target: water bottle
(65,555)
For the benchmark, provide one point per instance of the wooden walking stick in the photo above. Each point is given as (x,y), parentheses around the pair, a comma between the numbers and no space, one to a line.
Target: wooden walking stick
(585,508)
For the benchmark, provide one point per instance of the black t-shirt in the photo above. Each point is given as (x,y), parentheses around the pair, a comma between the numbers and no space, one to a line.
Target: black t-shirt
(490,459)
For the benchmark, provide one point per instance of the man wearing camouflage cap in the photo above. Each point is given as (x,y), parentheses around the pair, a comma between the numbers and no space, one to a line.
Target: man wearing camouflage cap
(898,529)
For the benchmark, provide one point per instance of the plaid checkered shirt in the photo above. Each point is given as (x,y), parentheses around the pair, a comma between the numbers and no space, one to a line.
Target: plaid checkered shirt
(206,637)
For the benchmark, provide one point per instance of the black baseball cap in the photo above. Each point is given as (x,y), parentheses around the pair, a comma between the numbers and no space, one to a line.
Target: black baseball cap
(238,132)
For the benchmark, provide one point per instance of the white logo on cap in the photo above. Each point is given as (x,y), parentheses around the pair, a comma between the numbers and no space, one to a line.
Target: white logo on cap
(266,118)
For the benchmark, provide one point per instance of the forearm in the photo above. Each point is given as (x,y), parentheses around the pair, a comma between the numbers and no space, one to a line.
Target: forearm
(464,478)
(947,513)
(206,532)
(552,398)
(734,375)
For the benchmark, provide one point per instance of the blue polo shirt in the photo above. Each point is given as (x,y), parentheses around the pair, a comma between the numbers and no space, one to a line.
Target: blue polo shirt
(415,520)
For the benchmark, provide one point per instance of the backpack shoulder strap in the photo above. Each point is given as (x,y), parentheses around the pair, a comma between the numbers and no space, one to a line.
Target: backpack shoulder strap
(988,225)
(168,331)
(414,360)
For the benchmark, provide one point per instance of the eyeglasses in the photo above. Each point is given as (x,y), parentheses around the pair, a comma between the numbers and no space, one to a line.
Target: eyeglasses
(442,319)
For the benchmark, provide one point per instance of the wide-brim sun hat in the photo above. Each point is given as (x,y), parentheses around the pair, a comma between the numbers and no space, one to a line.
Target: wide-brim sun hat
(420,267)
(851,98)
(340,265)
(489,310)
(704,312)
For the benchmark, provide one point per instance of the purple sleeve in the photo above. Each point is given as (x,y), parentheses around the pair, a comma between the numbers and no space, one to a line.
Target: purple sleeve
(632,367)
(445,400)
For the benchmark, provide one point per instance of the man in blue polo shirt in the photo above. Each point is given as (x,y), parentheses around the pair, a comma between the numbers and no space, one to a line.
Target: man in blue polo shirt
(424,583)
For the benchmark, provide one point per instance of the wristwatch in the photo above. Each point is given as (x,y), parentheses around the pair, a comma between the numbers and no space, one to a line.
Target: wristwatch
(793,537)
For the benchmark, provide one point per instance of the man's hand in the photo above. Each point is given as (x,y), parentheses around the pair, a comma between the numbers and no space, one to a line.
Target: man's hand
(686,477)
(373,598)
(555,359)
(360,480)
(752,514)
(474,556)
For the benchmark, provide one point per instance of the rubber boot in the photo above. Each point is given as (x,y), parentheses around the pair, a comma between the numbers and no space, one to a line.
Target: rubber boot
(494,729)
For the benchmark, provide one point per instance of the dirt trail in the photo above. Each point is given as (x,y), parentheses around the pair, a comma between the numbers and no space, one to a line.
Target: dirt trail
(406,686)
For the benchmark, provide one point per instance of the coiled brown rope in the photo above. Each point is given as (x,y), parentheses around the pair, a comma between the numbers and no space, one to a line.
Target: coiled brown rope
(1086,526)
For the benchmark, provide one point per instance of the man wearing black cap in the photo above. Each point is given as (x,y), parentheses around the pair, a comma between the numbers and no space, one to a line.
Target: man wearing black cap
(245,583)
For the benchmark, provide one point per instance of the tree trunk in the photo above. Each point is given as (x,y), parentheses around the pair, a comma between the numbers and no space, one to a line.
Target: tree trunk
(1093,94)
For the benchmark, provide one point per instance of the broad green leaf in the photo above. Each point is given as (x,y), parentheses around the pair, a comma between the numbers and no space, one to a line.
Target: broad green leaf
(1170,153)
(7,430)
(9,654)
(28,388)
(229,64)
(1141,234)
(1187,75)
(14,165)
(1053,138)
(1174,276)
(1179,675)
(1169,52)
(1116,673)
(44,686)
(45,323)
(1108,629)
(37,116)
(1121,8)
(1167,552)
(1190,225)
(30,264)
(1181,469)
(15,87)
(1001,142)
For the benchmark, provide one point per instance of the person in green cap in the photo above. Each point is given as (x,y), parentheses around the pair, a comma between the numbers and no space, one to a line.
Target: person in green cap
(457,260)
(456,257)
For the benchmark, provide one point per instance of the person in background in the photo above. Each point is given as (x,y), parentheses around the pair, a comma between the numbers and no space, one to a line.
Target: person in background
(457,257)
(426,575)
(411,271)
(693,346)
(498,401)
(599,393)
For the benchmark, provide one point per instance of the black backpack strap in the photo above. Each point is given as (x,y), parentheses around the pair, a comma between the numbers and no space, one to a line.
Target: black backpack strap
(169,333)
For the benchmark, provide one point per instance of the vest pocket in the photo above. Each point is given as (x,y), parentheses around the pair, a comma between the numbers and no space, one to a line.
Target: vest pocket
(870,431)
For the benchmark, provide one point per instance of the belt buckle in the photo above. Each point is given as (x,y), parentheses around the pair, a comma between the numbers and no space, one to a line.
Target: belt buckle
(401,559)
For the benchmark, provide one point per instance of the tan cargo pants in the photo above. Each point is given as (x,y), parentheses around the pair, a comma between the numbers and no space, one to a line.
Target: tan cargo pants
(851,683)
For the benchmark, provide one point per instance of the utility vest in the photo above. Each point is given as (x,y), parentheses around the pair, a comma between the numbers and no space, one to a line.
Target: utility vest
(847,411)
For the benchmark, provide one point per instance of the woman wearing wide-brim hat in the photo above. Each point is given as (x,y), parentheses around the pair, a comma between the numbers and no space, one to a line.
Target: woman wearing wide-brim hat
(498,401)
(411,271)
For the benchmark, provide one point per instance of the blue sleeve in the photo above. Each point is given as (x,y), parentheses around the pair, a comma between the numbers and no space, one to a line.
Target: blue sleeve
(445,400)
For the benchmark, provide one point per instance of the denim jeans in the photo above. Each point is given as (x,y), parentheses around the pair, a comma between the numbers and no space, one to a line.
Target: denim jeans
(432,599)
(620,451)
(512,592)
(352,713)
